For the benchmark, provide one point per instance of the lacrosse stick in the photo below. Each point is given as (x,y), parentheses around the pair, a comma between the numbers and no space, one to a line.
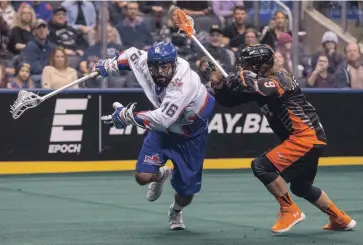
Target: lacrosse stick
(186,24)
(27,100)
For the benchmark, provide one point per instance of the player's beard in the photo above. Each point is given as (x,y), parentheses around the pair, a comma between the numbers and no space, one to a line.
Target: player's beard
(161,81)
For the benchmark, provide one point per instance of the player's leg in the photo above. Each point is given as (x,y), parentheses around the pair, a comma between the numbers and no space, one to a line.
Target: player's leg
(290,213)
(302,186)
(339,220)
(188,157)
(149,168)
(175,211)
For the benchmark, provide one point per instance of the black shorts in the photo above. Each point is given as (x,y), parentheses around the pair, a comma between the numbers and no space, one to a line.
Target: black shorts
(303,169)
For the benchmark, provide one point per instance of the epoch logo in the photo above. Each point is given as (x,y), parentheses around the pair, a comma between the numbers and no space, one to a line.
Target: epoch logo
(70,138)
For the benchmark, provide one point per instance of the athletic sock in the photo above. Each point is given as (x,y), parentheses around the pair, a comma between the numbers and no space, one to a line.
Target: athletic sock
(285,200)
(332,210)
(160,174)
(176,207)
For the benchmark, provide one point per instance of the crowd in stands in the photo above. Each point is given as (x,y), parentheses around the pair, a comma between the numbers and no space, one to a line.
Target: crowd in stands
(50,44)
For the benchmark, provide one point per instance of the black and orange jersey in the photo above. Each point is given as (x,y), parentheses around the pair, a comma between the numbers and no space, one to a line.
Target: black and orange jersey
(282,102)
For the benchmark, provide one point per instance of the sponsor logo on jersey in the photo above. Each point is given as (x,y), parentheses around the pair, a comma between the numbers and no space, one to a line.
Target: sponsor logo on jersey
(152,160)
(175,85)
(68,140)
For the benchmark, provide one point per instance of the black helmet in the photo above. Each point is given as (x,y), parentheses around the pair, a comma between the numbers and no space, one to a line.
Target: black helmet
(257,58)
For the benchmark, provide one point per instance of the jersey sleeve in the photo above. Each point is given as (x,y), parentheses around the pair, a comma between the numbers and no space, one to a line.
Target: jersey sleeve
(276,86)
(230,98)
(233,93)
(123,63)
(176,99)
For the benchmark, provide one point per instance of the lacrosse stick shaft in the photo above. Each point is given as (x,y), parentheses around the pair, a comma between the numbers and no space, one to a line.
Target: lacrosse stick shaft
(55,92)
(224,73)
(186,23)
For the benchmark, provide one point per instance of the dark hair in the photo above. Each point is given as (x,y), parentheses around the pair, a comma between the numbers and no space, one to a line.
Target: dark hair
(132,2)
(20,65)
(252,30)
(238,7)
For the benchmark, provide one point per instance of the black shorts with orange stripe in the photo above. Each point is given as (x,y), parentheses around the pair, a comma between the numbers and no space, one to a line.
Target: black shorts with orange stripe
(296,161)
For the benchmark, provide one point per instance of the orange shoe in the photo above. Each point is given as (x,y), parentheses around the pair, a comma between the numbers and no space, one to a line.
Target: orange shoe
(288,217)
(341,223)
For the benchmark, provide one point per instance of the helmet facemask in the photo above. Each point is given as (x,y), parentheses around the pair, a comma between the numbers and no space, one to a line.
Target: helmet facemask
(162,73)
(260,68)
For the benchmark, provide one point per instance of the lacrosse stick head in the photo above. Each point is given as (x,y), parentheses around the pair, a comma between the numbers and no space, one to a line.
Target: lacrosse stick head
(185,22)
(25,101)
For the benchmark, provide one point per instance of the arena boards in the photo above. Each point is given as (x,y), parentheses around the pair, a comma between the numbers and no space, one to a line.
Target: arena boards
(65,134)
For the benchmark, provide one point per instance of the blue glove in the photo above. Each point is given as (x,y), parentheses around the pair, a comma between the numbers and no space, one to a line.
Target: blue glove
(107,67)
(118,118)
(123,116)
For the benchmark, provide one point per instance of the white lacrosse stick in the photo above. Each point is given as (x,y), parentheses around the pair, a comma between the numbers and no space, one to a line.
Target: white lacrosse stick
(27,100)
(186,24)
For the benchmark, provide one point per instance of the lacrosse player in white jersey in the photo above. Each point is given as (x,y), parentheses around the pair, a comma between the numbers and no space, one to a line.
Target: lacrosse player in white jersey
(178,126)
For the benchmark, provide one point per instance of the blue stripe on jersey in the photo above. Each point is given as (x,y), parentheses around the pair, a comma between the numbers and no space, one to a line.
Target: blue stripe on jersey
(207,111)
(123,65)
(201,123)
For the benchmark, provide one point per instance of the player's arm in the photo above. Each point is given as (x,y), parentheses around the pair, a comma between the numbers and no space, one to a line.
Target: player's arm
(112,66)
(230,96)
(159,119)
(172,106)
(228,91)
(122,62)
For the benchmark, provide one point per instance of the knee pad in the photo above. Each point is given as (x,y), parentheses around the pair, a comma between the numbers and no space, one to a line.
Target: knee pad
(308,192)
(264,170)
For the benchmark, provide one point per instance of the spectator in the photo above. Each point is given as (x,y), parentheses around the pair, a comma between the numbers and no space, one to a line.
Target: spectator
(4,39)
(116,10)
(154,7)
(215,48)
(284,46)
(58,73)
(21,32)
(115,36)
(170,32)
(224,9)
(275,28)
(320,77)
(62,34)
(43,10)
(350,73)
(154,11)
(22,79)
(3,77)
(270,27)
(81,15)
(133,30)
(7,12)
(329,43)
(235,33)
(279,62)
(93,53)
(194,8)
(37,51)
(250,38)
